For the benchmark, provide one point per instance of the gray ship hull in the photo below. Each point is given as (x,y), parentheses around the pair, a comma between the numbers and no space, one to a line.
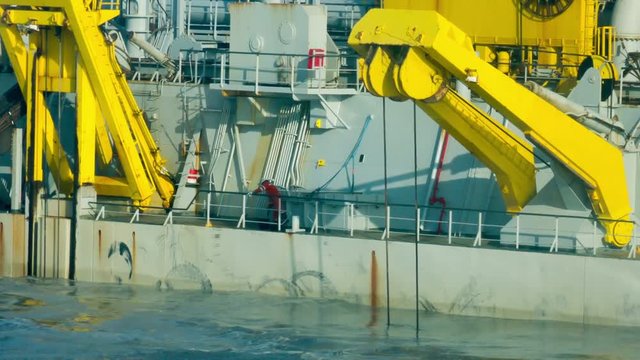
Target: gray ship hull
(453,279)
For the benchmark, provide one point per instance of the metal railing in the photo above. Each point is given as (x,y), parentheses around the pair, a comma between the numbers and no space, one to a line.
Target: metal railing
(262,71)
(104,4)
(374,220)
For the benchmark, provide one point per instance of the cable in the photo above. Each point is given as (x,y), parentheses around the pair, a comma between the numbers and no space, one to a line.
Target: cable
(386,203)
(415,192)
(351,155)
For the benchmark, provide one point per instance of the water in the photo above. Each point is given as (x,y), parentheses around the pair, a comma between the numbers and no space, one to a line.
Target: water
(44,319)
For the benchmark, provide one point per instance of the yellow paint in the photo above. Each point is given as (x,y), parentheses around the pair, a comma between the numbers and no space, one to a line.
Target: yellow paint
(56,157)
(504,62)
(605,42)
(438,46)
(492,143)
(86,130)
(32,302)
(321,163)
(497,22)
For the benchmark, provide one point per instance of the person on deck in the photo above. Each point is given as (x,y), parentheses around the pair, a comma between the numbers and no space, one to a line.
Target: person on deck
(273,193)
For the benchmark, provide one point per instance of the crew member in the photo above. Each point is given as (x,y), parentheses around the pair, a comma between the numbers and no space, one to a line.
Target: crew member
(273,193)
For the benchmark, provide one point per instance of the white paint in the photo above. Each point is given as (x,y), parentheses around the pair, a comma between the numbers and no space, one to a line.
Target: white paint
(452,280)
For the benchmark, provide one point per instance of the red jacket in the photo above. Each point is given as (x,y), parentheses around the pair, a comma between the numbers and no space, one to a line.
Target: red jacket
(271,190)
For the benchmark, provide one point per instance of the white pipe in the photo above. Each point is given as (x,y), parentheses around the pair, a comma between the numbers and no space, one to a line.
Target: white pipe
(293,176)
(178,15)
(288,147)
(16,170)
(154,53)
(275,145)
(614,130)
(282,162)
(228,169)
(238,145)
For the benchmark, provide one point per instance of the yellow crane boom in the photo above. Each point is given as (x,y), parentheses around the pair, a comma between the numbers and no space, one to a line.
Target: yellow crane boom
(423,48)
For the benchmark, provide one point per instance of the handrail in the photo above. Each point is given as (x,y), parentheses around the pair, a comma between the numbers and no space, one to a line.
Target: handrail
(475,235)
(312,197)
(436,45)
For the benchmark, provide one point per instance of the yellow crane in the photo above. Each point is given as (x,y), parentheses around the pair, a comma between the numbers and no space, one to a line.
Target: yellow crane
(58,46)
(410,54)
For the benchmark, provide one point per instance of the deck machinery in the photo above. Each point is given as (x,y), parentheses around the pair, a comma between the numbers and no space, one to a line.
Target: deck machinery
(187,105)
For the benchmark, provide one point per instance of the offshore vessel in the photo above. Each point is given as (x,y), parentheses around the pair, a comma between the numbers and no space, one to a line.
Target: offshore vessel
(468,157)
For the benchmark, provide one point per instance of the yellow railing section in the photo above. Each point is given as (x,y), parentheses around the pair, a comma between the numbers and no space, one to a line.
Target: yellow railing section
(437,49)
(105,105)
(606,42)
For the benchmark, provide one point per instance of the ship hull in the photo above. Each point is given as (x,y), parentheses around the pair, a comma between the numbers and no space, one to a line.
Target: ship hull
(400,274)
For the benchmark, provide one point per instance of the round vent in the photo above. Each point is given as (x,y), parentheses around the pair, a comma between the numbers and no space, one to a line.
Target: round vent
(545,9)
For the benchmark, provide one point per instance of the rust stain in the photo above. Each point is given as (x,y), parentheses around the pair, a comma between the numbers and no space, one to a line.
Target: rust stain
(374,290)
(99,244)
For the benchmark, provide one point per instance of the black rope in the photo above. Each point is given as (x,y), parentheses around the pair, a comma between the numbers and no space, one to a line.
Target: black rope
(415,192)
(32,245)
(386,203)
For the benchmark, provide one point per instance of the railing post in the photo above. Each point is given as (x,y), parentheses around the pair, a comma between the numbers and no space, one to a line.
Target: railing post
(208,224)
(168,219)
(595,240)
(194,58)
(135,217)
(478,239)
(279,214)
(222,69)
(450,226)
(417,224)
(554,244)
(243,217)
(314,227)
(100,213)
(634,245)
(351,218)
(215,22)
(621,93)
(517,232)
(189,19)
(292,75)
(387,223)
(358,76)
(178,77)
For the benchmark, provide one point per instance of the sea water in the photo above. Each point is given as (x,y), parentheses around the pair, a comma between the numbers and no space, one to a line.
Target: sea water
(59,319)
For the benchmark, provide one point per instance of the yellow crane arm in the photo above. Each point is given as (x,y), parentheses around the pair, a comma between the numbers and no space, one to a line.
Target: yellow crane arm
(434,38)
(101,84)
(407,73)
(55,155)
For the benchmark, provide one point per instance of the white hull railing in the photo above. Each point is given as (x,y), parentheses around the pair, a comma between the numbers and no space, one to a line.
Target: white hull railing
(359,218)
